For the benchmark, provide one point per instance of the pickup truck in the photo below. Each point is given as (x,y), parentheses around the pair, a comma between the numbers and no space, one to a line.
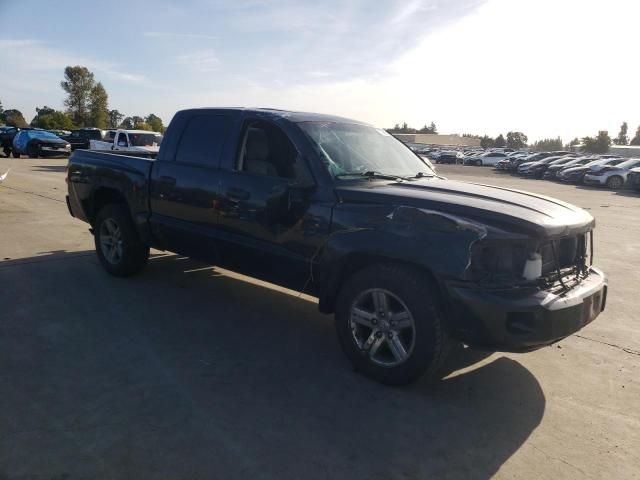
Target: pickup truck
(408,262)
(140,143)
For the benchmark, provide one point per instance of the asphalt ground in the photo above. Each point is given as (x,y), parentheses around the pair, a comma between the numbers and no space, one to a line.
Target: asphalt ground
(188,371)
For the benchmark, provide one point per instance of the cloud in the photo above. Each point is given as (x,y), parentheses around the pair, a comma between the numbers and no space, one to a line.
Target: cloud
(201,61)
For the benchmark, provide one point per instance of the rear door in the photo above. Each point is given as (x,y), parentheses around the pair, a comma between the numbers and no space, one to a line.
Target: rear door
(185,184)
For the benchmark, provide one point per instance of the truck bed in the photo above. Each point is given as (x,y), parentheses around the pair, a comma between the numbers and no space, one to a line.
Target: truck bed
(91,173)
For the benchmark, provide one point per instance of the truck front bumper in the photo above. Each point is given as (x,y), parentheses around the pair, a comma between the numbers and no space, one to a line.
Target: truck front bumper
(518,319)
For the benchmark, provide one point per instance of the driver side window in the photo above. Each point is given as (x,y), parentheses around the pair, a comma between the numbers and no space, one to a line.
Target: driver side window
(266,150)
(122,140)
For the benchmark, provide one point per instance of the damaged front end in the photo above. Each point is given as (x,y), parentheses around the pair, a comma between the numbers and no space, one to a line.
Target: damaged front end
(501,306)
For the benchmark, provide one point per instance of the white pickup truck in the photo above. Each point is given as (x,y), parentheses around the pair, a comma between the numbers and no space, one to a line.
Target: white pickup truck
(130,141)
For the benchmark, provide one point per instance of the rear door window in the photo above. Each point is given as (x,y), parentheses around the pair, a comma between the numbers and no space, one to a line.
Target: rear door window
(203,139)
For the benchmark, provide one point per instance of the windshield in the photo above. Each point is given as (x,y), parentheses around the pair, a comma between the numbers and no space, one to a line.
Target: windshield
(41,134)
(352,149)
(629,163)
(145,139)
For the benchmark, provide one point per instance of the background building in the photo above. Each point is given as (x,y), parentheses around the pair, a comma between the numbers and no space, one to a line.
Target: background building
(437,139)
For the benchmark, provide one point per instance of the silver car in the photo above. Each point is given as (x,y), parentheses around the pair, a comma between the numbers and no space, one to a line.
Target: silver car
(613,177)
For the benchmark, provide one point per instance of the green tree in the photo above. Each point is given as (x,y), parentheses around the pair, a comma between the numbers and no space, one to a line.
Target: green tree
(548,145)
(575,142)
(487,142)
(48,118)
(143,126)
(155,123)
(115,117)
(127,123)
(14,118)
(98,107)
(636,140)
(516,140)
(599,144)
(78,83)
(500,142)
(622,138)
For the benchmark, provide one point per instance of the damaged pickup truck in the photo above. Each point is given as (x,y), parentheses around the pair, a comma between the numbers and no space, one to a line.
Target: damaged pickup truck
(408,261)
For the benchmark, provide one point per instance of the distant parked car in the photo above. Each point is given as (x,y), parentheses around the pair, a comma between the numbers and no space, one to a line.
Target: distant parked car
(39,143)
(634,178)
(553,170)
(614,177)
(449,156)
(485,159)
(7,135)
(81,137)
(575,174)
(533,169)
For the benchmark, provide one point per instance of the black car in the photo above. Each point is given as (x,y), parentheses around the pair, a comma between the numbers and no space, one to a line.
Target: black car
(7,135)
(633,179)
(39,143)
(408,261)
(81,137)
(553,170)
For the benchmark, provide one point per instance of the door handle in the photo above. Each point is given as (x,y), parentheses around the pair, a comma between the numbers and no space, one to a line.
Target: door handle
(170,181)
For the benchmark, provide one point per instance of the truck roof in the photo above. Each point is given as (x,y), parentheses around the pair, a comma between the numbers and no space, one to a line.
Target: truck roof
(290,115)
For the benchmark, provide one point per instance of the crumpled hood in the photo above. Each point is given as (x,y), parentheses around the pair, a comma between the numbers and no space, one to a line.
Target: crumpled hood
(504,208)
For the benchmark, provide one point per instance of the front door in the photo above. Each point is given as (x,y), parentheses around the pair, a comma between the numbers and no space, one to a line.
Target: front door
(266,208)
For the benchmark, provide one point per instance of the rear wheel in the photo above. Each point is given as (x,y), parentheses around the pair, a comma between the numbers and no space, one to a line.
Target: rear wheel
(15,154)
(118,246)
(615,182)
(479,163)
(390,326)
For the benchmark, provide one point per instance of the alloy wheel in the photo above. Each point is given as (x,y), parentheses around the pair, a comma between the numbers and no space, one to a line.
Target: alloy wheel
(111,241)
(382,327)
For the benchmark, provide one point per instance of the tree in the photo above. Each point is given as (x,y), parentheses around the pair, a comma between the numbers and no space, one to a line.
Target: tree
(14,118)
(516,140)
(127,123)
(599,144)
(548,145)
(48,118)
(500,142)
(1,112)
(622,138)
(98,107)
(636,140)
(487,142)
(79,84)
(155,123)
(143,126)
(115,117)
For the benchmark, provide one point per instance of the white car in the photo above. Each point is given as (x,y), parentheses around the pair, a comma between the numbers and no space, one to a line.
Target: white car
(612,176)
(485,159)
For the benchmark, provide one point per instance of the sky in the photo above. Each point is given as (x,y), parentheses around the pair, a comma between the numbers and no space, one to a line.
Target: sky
(544,67)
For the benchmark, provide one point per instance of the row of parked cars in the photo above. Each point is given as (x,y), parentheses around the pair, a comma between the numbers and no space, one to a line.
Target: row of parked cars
(36,142)
(611,171)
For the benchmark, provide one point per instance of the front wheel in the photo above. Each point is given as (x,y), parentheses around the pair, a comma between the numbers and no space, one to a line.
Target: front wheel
(615,182)
(390,326)
(118,246)
(33,151)
(15,154)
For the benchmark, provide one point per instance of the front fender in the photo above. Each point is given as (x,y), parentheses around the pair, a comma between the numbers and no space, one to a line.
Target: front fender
(438,242)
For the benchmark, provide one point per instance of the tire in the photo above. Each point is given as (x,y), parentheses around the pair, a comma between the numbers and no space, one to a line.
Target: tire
(615,183)
(479,163)
(15,154)
(33,151)
(130,255)
(425,343)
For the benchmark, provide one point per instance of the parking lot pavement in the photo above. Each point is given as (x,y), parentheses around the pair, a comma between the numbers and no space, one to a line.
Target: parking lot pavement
(188,371)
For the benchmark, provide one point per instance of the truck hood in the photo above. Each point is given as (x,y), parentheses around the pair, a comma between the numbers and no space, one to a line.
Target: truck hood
(507,209)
